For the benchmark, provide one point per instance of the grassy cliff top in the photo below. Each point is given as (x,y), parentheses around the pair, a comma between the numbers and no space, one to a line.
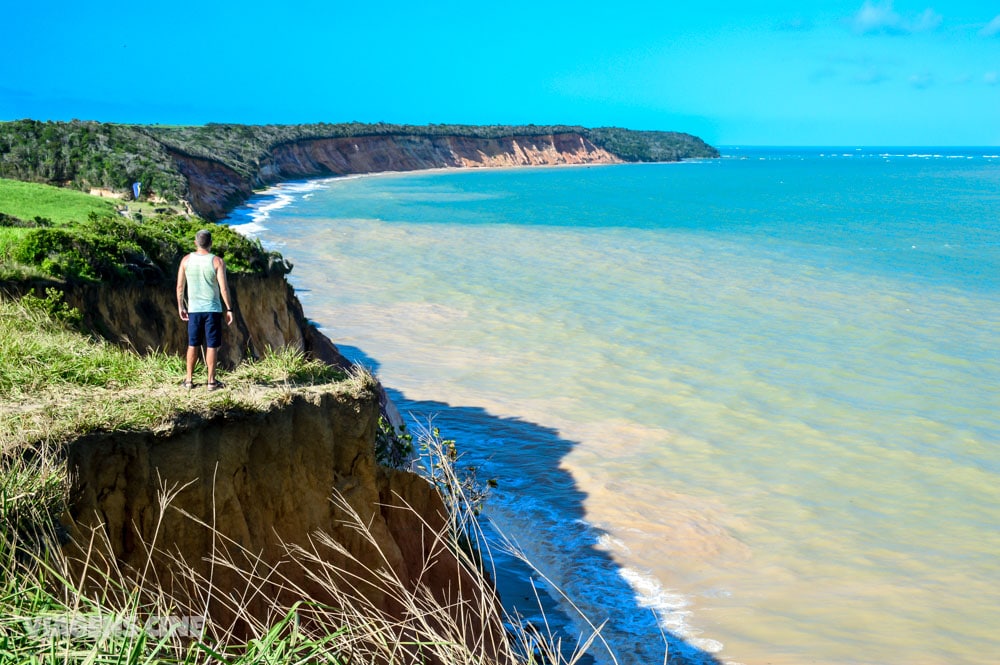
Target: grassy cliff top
(28,201)
(57,384)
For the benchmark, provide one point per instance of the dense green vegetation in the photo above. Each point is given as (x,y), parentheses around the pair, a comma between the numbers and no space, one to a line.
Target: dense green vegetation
(643,146)
(85,240)
(118,250)
(85,155)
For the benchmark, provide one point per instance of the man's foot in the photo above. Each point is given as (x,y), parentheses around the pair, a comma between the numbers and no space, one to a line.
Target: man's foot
(215,385)
(187,384)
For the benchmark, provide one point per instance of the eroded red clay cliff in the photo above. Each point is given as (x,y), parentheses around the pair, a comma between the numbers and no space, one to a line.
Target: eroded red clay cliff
(216,189)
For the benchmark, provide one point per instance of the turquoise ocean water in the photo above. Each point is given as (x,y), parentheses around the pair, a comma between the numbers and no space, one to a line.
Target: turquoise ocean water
(751,403)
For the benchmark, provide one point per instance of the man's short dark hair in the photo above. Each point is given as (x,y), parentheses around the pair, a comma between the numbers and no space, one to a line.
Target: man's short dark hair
(203,239)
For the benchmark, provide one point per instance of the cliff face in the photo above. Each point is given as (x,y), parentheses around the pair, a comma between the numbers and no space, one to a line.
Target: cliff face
(409,153)
(144,317)
(212,187)
(215,189)
(247,490)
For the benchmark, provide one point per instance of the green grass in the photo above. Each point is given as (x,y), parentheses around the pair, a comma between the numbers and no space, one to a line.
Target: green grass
(57,384)
(10,237)
(26,200)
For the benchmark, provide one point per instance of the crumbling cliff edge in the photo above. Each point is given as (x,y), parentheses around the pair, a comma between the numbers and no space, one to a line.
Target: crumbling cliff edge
(244,517)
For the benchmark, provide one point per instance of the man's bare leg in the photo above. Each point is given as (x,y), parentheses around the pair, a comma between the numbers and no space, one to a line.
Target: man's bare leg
(210,355)
(192,358)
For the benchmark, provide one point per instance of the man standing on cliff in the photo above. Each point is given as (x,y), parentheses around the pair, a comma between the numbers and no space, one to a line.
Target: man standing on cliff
(204,275)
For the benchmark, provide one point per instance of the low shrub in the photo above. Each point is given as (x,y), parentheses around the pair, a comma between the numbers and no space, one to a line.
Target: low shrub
(117,250)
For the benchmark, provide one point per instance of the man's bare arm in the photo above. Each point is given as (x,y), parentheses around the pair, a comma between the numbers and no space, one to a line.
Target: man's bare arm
(181,283)
(220,275)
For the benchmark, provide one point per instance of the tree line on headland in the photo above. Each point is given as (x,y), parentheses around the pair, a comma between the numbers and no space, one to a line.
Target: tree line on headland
(88,154)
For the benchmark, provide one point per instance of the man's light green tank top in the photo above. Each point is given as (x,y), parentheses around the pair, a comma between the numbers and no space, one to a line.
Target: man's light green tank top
(202,284)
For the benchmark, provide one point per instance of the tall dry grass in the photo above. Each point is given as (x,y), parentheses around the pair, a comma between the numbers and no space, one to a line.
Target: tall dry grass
(56,608)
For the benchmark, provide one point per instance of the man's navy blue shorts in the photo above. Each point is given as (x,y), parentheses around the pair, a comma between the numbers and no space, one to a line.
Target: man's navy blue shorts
(205,328)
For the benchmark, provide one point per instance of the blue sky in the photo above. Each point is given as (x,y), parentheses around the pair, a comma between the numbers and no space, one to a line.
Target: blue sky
(838,72)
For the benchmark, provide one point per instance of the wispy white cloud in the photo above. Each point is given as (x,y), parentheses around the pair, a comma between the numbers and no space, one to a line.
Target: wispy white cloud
(992,28)
(881,18)
(991,78)
(922,81)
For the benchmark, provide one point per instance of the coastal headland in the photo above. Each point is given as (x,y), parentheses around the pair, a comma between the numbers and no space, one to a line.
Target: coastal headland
(213,168)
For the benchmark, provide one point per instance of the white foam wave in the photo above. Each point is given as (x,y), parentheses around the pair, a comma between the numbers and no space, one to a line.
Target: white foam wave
(883,155)
(250,220)
(707,645)
(259,209)
(611,543)
(250,229)
(671,610)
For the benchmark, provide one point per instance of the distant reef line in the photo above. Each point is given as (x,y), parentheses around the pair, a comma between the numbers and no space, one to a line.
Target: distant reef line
(213,168)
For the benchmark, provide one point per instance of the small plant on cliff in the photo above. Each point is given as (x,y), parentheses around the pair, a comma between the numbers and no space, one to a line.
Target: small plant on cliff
(464,492)
(54,306)
(286,366)
(393,445)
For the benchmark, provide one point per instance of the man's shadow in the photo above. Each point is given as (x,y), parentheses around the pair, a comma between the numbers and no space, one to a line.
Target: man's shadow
(539,506)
